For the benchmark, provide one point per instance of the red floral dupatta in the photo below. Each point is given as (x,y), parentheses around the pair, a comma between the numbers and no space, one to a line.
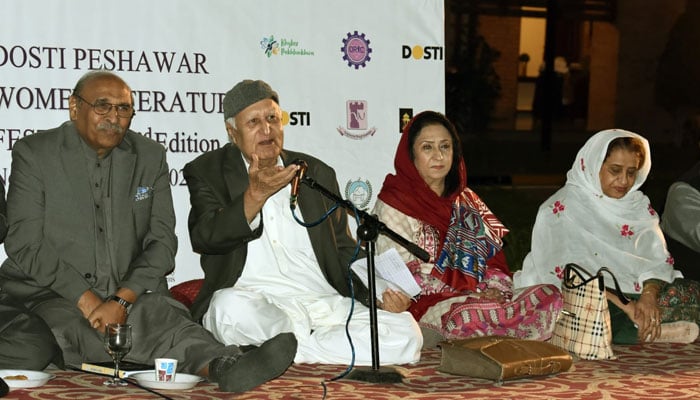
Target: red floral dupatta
(469,232)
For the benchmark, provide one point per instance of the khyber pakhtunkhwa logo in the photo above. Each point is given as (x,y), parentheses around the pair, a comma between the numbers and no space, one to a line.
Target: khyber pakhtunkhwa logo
(359,193)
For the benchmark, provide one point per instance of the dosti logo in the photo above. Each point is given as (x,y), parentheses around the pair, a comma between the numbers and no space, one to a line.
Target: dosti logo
(359,193)
(356,127)
(356,50)
(296,118)
(421,52)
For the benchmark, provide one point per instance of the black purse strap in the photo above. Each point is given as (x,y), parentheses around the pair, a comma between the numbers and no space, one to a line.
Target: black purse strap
(572,268)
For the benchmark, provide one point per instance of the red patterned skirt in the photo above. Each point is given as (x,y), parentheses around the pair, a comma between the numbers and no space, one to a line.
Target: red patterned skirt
(529,314)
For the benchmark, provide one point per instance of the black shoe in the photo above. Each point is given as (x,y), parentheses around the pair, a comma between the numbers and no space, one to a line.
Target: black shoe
(256,366)
(4,388)
(247,348)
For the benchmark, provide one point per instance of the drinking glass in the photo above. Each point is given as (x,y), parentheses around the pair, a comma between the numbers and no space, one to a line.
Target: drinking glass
(117,343)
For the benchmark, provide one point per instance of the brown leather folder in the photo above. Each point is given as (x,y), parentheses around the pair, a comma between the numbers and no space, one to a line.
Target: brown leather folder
(502,358)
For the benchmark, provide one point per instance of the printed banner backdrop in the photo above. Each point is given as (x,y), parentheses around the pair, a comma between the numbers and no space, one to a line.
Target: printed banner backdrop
(348,73)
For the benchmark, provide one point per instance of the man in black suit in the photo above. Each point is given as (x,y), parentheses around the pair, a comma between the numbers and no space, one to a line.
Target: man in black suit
(264,272)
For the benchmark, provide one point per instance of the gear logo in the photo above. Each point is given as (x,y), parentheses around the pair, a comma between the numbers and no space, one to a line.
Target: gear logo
(359,193)
(356,50)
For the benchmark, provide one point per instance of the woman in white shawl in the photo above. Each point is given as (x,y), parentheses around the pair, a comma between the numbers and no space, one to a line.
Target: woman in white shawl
(600,218)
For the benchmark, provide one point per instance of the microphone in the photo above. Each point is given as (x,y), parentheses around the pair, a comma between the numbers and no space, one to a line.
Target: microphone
(296,180)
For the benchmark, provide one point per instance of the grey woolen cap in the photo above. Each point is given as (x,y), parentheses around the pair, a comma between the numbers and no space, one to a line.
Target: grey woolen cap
(245,93)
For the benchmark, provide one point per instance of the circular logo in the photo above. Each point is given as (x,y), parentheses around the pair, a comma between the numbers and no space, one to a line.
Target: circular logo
(359,193)
(356,50)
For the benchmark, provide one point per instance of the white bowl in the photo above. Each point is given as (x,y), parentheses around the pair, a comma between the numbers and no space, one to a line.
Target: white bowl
(181,382)
(34,378)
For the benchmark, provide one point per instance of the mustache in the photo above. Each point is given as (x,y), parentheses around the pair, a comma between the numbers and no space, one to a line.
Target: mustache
(106,125)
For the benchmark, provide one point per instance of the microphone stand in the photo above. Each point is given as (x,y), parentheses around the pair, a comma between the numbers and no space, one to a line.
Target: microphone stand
(368,231)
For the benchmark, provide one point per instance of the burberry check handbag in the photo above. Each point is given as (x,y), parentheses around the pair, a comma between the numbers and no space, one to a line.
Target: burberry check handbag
(583,327)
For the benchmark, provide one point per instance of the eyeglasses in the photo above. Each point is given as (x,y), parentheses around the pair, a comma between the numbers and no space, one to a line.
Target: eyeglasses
(102,108)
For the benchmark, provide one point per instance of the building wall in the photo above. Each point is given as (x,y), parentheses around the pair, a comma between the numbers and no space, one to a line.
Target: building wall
(503,34)
(623,59)
(602,91)
(532,32)
(643,33)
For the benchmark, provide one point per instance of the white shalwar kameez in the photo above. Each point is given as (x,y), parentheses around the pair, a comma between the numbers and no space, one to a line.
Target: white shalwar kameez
(282,289)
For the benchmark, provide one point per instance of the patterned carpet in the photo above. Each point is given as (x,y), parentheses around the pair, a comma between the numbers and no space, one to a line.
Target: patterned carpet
(652,371)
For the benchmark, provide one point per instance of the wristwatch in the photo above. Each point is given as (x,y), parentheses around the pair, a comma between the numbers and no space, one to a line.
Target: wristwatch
(121,301)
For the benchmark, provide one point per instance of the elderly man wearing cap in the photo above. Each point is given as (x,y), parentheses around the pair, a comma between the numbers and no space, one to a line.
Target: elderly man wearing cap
(264,272)
(92,237)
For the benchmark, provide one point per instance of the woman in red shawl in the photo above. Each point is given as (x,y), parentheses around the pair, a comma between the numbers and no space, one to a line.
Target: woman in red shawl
(466,287)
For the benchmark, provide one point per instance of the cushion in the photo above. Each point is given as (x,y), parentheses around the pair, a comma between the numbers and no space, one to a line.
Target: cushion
(186,292)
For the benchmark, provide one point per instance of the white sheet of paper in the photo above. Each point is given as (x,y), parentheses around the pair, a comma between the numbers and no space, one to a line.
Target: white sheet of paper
(390,272)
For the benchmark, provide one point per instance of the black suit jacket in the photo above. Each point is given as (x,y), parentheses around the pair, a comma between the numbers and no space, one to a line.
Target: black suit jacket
(220,233)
